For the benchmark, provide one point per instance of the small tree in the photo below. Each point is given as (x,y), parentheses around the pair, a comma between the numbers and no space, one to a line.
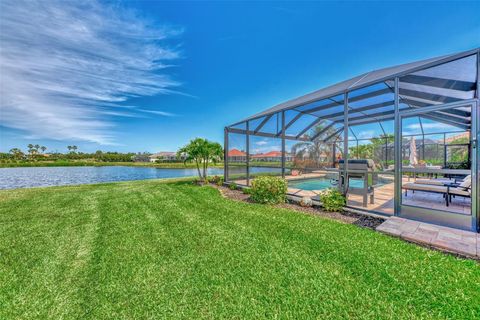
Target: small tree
(202,152)
(17,153)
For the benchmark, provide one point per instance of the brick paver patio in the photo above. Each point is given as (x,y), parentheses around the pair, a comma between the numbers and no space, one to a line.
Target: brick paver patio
(448,239)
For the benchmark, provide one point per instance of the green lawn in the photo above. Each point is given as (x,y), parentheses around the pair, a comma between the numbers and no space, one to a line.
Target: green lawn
(149,249)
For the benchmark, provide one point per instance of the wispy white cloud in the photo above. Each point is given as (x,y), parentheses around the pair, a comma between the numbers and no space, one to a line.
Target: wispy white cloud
(429,125)
(67,66)
(261,143)
(160,113)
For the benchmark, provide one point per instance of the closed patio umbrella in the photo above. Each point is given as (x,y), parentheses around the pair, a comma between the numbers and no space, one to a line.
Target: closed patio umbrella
(413,152)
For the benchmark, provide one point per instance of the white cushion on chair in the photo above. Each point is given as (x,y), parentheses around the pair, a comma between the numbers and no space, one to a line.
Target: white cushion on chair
(436,182)
(467,183)
(424,187)
(460,192)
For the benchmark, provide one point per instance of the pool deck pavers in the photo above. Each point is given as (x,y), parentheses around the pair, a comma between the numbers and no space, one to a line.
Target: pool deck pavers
(461,242)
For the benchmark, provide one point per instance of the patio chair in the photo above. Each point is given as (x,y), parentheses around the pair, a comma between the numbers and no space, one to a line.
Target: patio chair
(464,189)
(391,167)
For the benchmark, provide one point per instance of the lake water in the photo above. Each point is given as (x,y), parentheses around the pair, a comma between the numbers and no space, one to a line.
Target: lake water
(12,178)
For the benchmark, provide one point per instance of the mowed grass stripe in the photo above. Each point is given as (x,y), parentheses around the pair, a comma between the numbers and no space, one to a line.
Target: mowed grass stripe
(52,244)
(149,249)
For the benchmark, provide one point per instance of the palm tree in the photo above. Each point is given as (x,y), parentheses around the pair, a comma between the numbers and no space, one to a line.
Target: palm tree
(202,152)
(74,147)
(43,148)
(31,150)
(316,148)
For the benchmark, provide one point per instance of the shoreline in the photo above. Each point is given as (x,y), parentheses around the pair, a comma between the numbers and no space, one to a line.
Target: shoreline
(173,165)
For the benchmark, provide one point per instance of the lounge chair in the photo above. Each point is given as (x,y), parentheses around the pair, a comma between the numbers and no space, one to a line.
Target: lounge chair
(442,181)
(464,189)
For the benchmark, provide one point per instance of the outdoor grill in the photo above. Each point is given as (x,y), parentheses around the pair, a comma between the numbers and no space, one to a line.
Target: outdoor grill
(361,169)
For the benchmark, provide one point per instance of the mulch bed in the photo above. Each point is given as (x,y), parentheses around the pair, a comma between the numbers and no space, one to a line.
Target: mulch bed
(344,217)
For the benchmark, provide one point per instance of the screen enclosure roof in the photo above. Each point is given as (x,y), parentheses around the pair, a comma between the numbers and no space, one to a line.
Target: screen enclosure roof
(432,81)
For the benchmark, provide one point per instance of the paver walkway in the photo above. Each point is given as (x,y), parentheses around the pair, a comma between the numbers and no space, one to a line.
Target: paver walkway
(453,240)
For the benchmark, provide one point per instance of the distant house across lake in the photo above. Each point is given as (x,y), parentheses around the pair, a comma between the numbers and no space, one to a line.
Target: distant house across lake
(165,156)
(236,155)
(272,156)
(141,157)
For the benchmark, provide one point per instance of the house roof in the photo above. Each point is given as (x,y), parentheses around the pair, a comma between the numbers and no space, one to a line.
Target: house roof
(236,153)
(271,154)
(362,80)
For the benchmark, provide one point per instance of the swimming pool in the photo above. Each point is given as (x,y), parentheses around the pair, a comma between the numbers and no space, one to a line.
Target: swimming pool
(320,183)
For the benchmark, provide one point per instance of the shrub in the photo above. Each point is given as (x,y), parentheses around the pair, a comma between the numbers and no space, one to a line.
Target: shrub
(216,180)
(269,190)
(332,199)
(233,186)
(247,190)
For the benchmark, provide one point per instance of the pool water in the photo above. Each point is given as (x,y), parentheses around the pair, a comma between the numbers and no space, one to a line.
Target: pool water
(320,184)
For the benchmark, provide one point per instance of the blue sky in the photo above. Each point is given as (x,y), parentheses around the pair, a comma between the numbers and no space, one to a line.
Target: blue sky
(149,76)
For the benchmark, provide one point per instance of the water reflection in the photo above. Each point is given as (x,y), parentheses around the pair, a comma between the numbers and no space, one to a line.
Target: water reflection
(12,178)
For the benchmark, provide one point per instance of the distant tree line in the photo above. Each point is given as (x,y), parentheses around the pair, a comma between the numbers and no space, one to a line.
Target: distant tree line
(37,153)
(201,152)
